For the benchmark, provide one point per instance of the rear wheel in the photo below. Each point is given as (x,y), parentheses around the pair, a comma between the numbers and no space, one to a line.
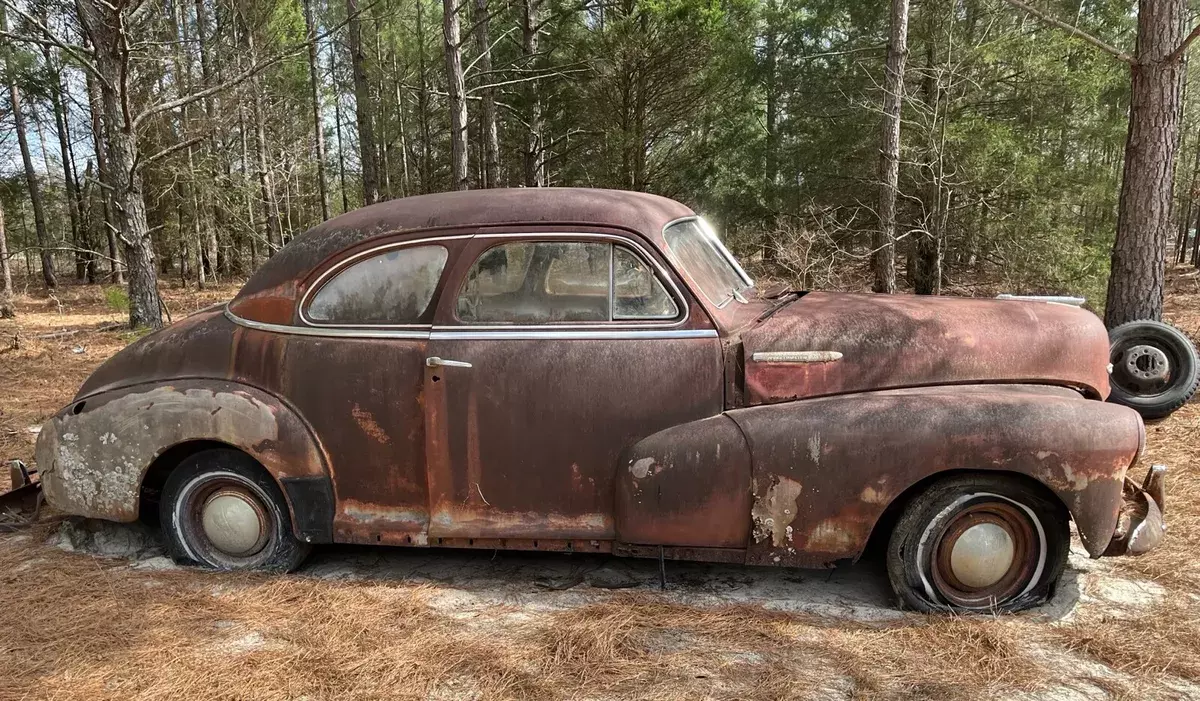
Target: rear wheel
(978,543)
(219,509)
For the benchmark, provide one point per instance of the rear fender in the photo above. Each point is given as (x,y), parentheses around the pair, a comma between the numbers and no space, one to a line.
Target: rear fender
(93,455)
(824,470)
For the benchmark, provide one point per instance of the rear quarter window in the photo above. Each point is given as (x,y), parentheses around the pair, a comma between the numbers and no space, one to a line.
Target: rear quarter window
(393,287)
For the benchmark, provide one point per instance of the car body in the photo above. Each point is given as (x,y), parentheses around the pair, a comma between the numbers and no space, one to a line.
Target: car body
(591,371)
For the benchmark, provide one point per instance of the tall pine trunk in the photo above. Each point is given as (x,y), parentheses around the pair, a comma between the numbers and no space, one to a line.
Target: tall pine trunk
(532,158)
(318,128)
(364,113)
(487,104)
(35,194)
(456,87)
(5,269)
(883,259)
(1135,285)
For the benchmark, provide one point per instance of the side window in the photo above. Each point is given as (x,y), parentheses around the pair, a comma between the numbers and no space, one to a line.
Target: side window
(638,293)
(394,287)
(561,282)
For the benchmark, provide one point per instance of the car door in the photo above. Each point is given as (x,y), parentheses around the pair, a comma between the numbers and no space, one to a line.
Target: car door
(550,354)
(354,367)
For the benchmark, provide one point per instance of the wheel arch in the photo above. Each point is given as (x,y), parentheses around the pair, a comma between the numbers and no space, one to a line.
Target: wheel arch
(123,440)
(891,514)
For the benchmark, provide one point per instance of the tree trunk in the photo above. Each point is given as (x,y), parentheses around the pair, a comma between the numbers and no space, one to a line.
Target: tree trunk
(64,149)
(318,128)
(456,87)
(533,162)
(206,207)
(1135,285)
(5,270)
(35,195)
(266,187)
(103,24)
(115,274)
(362,107)
(423,103)
(883,258)
(487,103)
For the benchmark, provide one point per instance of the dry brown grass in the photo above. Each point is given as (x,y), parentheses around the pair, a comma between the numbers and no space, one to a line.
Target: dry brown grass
(76,627)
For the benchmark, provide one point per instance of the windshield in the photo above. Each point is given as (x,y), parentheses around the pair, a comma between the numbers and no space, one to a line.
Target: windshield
(697,250)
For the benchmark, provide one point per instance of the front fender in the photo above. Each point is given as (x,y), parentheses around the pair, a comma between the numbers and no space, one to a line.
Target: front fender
(824,470)
(93,454)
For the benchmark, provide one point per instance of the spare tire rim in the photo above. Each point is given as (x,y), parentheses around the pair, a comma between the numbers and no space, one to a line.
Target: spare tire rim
(1142,367)
(985,555)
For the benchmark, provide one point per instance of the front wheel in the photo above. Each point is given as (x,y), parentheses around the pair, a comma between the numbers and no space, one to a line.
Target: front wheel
(978,543)
(220,509)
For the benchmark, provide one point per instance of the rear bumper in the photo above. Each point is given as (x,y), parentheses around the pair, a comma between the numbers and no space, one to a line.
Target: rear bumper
(1140,524)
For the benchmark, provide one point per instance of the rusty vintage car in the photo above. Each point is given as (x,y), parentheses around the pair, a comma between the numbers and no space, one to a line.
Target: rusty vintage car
(592,371)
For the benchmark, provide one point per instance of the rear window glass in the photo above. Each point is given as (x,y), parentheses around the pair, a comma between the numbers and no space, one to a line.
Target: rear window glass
(394,287)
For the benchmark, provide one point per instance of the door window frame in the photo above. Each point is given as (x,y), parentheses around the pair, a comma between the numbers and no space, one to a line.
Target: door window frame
(446,317)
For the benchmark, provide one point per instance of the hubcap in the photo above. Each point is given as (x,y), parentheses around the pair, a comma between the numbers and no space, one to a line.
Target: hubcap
(985,555)
(982,555)
(234,522)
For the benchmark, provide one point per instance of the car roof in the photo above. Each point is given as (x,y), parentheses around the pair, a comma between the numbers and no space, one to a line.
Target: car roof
(278,278)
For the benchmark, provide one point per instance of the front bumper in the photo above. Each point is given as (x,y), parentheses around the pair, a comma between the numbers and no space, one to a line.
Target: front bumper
(1140,524)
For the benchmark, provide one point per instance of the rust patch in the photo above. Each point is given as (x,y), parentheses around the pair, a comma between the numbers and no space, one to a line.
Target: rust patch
(832,536)
(774,511)
(366,421)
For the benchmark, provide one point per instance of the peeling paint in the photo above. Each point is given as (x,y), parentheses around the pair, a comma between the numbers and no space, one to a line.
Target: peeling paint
(641,467)
(91,463)
(774,511)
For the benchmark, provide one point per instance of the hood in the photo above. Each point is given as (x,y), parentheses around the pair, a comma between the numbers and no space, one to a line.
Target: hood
(894,341)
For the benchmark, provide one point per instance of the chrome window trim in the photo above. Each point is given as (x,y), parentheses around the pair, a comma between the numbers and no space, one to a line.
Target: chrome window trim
(412,331)
(662,273)
(346,262)
(473,333)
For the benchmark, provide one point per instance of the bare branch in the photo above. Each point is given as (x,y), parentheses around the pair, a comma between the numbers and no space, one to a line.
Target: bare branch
(1178,53)
(548,74)
(173,148)
(1074,31)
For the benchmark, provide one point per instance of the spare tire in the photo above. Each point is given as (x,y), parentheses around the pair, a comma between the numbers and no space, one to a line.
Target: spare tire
(1155,368)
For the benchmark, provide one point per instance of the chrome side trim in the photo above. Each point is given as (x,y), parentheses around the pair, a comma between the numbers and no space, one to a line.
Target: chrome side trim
(346,262)
(796,356)
(466,334)
(418,333)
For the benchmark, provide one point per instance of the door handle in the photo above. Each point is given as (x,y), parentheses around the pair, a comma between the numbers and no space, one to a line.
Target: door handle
(436,362)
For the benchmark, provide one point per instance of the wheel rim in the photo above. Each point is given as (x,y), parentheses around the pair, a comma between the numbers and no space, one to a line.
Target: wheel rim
(225,520)
(234,522)
(1143,367)
(986,554)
